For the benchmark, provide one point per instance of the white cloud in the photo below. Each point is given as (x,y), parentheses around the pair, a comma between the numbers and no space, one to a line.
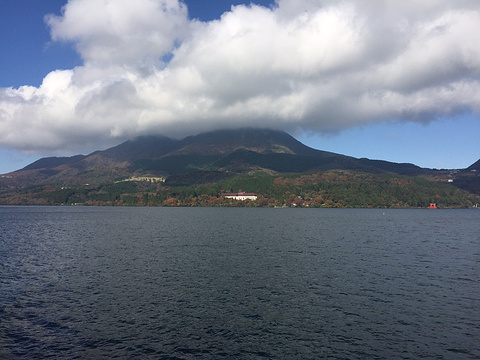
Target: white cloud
(297,65)
(110,32)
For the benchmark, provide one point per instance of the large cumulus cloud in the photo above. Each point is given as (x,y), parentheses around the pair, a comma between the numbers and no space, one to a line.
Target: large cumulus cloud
(301,64)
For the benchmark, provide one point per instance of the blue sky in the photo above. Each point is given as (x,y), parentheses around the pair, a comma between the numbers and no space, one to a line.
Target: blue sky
(338,77)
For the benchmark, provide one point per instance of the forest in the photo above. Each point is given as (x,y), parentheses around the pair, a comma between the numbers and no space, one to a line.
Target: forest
(335,188)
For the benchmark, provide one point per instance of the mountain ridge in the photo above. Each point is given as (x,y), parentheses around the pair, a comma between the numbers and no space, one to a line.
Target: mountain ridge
(229,152)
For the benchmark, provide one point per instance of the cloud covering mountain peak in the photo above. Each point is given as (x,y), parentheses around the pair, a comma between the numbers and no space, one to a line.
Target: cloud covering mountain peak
(318,66)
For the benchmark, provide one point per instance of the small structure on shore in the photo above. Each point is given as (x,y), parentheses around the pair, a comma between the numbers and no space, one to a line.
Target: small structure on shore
(152,179)
(240,196)
(432,206)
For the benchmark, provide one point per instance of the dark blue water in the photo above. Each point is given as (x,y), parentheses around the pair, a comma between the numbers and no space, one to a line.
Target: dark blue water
(215,283)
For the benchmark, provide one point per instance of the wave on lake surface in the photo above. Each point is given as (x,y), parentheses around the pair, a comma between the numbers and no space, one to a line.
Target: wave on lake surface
(215,283)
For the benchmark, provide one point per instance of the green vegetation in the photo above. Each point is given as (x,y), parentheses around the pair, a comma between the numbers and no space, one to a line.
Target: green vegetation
(276,162)
(175,164)
(334,188)
(179,164)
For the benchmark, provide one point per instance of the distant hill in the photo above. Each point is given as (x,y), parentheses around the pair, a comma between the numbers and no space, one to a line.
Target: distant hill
(205,158)
(469,179)
(474,167)
(53,162)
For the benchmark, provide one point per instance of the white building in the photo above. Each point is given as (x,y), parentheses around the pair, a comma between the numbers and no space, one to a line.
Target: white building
(240,196)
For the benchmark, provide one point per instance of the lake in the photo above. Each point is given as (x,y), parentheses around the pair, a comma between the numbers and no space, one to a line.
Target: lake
(239,283)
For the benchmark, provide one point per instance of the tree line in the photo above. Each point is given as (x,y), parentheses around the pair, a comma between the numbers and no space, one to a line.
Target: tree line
(327,189)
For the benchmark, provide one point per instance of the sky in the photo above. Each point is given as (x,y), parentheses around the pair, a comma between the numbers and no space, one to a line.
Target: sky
(395,80)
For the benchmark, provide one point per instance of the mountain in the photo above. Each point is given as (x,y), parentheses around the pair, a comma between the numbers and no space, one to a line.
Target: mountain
(242,151)
(475,167)
(195,171)
(469,178)
(52,162)
(204,158)
(219,152)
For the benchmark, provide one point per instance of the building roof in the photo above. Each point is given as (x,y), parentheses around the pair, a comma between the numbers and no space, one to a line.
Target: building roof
(240,193)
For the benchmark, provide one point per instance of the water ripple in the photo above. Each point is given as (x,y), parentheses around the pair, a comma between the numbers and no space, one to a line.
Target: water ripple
(155,283)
